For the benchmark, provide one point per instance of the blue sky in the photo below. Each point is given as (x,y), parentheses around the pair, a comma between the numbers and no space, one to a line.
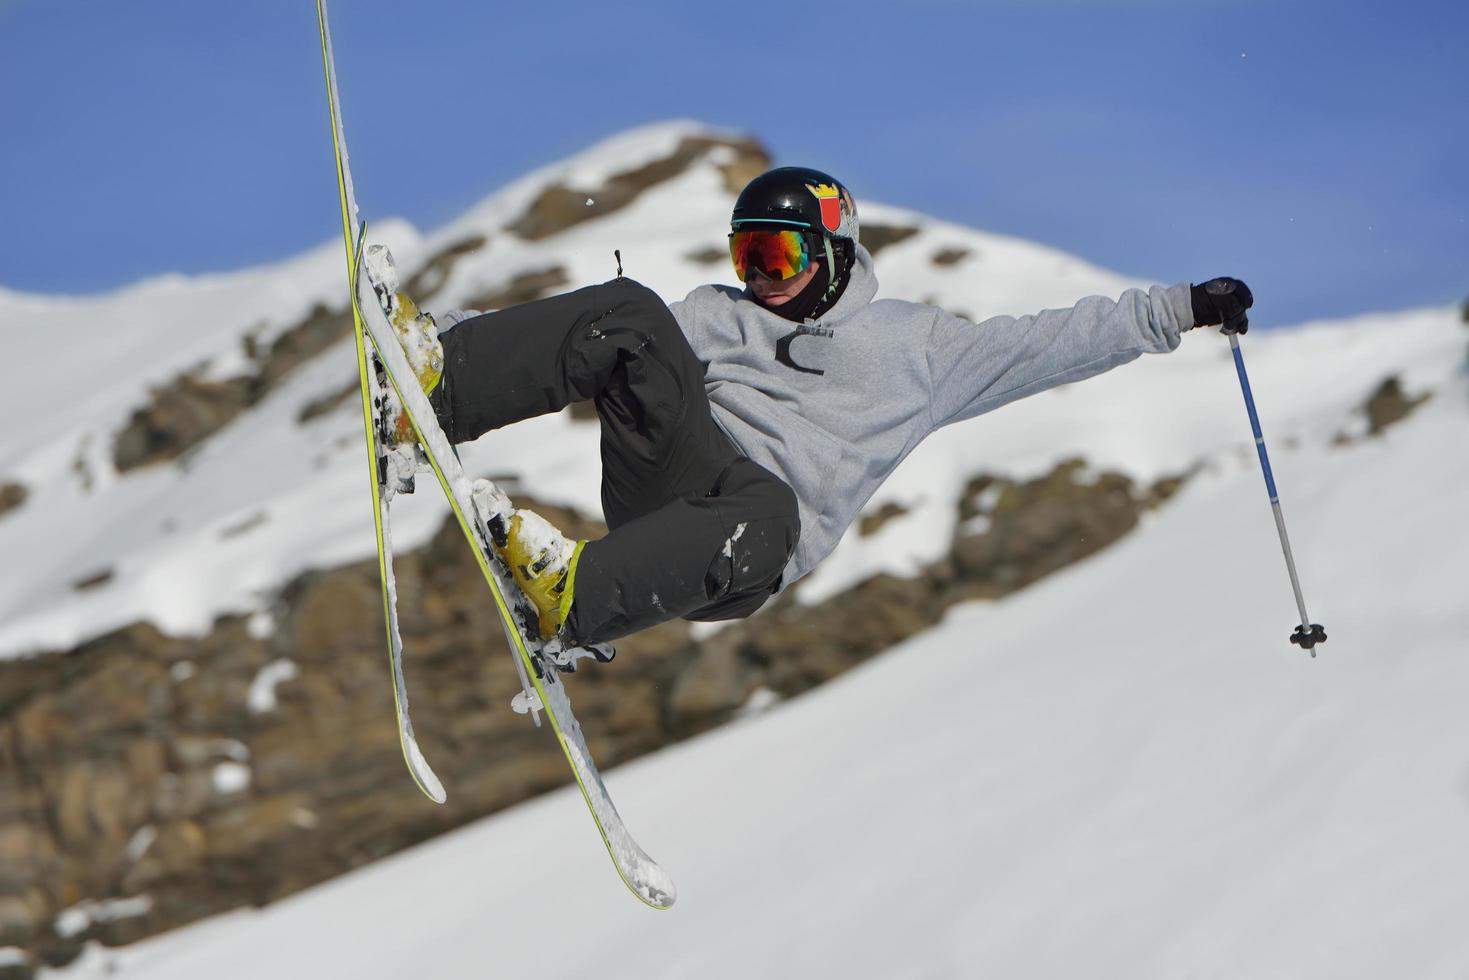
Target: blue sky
(1317,149)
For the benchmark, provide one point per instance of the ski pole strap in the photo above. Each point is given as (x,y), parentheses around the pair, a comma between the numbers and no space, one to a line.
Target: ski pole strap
(1244,384)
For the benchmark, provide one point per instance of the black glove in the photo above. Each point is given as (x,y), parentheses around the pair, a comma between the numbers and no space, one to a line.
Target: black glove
(1222,301)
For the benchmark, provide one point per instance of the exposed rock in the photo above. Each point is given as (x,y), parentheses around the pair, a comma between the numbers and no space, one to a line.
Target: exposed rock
(560,207)
(523,288)
(429,279)
(19,970)
(321,329)
(710,255)
(328,403)
(245,525)
(950,256)
(1387,406)
(179,416)
(878,237)
(870,524)
(185,412)
(806,646)
(1014,534)
(93,580)
(1384,408)
(1163,490)
(12,495)
(716,680)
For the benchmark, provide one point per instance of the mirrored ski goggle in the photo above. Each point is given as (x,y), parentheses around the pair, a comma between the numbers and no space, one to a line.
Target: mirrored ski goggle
(780,255)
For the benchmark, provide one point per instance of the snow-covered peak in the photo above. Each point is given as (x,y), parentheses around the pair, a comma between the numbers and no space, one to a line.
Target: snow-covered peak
(163,542)
(588,169)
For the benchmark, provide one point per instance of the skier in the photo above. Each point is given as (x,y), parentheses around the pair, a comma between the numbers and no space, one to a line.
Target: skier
(743,430)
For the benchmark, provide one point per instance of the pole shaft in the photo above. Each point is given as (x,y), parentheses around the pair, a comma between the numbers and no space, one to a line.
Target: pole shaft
(1290,561)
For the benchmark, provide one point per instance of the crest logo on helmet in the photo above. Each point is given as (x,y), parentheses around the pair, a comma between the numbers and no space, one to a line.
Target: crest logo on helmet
(830,200)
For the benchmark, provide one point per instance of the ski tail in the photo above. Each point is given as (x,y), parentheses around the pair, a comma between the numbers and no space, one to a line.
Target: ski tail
(352,234)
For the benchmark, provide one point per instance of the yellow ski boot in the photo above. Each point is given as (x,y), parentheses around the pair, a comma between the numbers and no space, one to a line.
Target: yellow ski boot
(542,560)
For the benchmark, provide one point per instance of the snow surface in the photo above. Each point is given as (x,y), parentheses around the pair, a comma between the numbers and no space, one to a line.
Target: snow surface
(1123,771)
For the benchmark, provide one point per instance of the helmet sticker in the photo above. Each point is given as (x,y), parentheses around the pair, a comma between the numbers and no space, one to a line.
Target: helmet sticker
(831,203)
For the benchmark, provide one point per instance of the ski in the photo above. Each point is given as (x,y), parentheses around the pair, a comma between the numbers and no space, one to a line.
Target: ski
(538,663)
(386,478)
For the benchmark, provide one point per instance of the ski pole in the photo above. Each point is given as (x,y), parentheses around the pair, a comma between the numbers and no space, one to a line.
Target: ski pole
(1308,634)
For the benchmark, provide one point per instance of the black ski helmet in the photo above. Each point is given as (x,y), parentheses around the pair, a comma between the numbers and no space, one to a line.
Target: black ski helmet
(798,197)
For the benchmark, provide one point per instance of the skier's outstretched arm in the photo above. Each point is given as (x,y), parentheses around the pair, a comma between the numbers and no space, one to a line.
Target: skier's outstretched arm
(977,367)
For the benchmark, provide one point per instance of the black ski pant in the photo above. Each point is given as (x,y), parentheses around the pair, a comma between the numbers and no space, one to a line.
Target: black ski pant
(695,529)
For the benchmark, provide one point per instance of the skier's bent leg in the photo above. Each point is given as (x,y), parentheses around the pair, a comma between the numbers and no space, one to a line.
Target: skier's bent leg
(714,557)
(537,358)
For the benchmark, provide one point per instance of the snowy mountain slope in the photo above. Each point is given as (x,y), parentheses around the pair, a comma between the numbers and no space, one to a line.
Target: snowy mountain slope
(162,532)
(1124,771)
(1100,728)
(267,497)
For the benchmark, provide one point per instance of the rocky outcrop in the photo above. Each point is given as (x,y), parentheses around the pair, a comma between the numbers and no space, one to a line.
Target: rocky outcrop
(179,416)
(950,256)
(12,495)
(147,780)
(709,255)
(430,278)
(522,288)
(559,206)
(191,408)
(1388,405)
(1013,534)
(1385,407)
(870,524)
(875,238)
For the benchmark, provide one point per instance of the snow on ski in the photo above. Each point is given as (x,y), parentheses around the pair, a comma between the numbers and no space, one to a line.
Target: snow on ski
(373,407)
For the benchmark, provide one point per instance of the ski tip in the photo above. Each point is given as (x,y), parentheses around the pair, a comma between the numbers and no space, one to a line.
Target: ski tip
(423,775)
(659,900)
(654,887)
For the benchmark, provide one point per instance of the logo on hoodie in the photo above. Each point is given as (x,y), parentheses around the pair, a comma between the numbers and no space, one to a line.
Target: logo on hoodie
(783,346)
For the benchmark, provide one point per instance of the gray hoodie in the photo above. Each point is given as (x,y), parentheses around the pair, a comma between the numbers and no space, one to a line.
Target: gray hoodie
(834,404)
